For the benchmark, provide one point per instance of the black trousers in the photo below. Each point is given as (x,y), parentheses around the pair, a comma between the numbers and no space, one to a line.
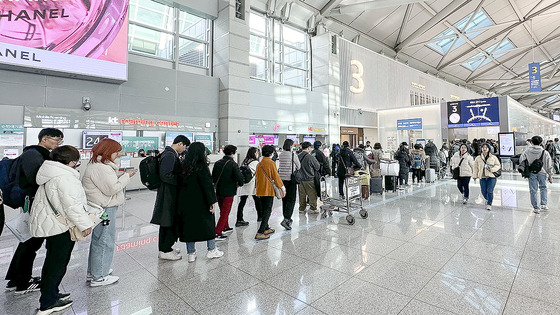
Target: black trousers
(341,185)
(289,201)
(266,202)
(241,205)
(167,237)
(59,250)
(463,185)
(403,178)
(334,168)
(2,218)
(417,172)
(21,265)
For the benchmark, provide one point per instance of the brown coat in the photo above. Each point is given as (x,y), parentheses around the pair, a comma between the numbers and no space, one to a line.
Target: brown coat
(264,186)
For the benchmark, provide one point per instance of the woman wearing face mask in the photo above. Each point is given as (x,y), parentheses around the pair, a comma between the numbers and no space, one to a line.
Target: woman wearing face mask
(465,162)
(103,187)
(484,167)
(403,156)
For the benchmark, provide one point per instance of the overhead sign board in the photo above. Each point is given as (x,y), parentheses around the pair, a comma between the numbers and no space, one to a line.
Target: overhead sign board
(409,124)
(473,113)
(535,77)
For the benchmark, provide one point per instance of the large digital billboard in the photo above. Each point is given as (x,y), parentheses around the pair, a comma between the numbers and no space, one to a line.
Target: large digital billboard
(80,37)
(473,113)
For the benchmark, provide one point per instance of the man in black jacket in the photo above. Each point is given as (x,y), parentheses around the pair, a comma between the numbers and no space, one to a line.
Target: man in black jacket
(227,178)
(165,208)
(324,168)
(21,266)
(309,168)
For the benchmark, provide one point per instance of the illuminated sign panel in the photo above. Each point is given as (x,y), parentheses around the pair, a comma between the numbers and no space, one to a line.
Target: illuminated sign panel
(473,113)
(86,38)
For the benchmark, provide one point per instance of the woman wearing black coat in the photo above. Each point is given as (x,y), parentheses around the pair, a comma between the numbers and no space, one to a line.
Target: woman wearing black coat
(197,203)
(403,156)
(346,158)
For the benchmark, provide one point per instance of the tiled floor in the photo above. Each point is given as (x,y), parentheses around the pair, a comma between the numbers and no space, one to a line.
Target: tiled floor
(420,252)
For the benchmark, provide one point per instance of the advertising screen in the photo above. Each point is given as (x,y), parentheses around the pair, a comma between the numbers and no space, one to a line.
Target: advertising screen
(86,38)
(309,139)
(294,138)
(473,113)
(170,136)
(92,137)
(507,144)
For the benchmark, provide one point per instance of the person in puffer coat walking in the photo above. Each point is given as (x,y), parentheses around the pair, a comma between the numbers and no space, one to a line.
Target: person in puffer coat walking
(60,194)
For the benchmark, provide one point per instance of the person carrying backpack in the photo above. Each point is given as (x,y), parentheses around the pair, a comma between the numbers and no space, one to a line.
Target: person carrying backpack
(540,169)
(417,158)
(165,207)
(248,168)
(21,267)
(486,166)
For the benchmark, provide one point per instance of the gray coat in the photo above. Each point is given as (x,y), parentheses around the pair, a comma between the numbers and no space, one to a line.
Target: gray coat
(309,166)
(534,152)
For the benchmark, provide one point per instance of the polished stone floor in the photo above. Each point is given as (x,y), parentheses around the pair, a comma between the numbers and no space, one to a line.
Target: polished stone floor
(421,251)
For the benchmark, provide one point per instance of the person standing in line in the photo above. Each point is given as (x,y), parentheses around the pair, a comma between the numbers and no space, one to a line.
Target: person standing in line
(334,159)
(403,156)
(538,178)
(60,193)
(309,167)
(19,273)
(484,167)
(227,177)
(103,187)
(197,204)
(556,159)
(165,208)
(250,161)
(289,163)
(267,175)
(417,158)
(324,168)
(346,158)
(465,162)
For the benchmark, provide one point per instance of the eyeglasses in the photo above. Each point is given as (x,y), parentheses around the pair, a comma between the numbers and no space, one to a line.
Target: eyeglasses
(57,139)
(77,164)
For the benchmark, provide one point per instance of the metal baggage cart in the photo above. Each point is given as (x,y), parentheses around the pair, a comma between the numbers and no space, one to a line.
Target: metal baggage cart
(352,201)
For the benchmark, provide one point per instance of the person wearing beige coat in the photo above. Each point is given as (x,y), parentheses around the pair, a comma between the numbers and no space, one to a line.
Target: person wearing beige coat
(485,165)
(465,162)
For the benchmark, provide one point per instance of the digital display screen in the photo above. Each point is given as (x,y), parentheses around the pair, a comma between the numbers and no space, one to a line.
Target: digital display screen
(507,144)
(294,138)
(70,36)
(170,136)
(473,113)
(309,139)
(92,137)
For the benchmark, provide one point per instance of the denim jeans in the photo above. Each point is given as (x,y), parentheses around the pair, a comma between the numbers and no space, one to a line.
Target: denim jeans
(102,246)
(463,185)
(487,188)
(537,182)
(210,243)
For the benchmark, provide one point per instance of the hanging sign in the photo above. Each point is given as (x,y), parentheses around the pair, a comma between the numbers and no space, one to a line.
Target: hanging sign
(535,77)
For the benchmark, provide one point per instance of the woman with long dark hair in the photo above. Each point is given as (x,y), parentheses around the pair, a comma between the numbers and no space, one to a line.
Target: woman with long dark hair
(465,162)
(197,203)
(250,161)
(485,165)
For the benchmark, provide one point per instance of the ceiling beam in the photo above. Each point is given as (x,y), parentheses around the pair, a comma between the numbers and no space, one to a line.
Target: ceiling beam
(370,5)
(525,94)
(436,19)
(485,81)
(404,22)
(505,30)
(327,8)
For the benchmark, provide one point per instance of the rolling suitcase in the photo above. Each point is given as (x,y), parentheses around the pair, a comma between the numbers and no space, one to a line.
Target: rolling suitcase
(391,183)
(365,192)
(376,185)
(430,175)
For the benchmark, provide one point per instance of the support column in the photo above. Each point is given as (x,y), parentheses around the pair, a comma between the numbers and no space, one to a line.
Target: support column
(231,66)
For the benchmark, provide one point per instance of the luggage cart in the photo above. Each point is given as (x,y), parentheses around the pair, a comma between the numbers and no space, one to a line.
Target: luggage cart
(352,201)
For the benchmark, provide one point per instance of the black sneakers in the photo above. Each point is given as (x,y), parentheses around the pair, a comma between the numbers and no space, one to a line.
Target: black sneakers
(241,223)
(57,307)
(33,285)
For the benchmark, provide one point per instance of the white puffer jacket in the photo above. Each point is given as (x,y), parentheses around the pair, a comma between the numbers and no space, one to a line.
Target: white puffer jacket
(467,166)
(61,184)
(102,185)
(249,188)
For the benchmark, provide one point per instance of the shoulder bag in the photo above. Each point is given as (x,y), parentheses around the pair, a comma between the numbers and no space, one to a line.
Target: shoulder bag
(220,176)
(75,233)
(497,173)
(457,170)
(297,175)
(278,193)
(349,171)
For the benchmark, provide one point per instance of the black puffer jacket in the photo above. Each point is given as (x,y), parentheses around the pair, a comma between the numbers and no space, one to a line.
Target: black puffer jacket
(346,158)
(403,156)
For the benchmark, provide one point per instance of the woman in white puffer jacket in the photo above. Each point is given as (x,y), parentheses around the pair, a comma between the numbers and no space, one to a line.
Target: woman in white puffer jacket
(61,194)
(103,187)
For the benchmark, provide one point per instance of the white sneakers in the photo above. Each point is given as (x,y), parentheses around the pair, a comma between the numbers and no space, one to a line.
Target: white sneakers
(215,253)
(104,281)
(191,257)
(172,255)
(544,207)
(489,207)
(89,276)
(465,200)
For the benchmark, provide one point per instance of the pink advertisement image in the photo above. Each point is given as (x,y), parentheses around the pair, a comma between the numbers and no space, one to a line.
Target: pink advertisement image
(85,37)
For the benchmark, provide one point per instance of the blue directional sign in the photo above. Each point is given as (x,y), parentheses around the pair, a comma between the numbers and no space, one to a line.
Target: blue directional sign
(535,77)
(409,124)
(473,113)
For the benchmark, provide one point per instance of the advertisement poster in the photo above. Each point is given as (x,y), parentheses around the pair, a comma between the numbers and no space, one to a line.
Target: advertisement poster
(409,124)
(170,136)
(267,140)
(134,144)
(79,37)
(11,153)
(507,144)
(473,113)
(309,139)
(11,135)
(294,138)
(92,137)
(205,138)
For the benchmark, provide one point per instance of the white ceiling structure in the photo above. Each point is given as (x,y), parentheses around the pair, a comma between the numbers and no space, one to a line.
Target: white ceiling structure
(484,45)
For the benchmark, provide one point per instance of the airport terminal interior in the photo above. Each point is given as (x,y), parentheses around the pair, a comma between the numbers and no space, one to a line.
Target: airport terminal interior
(406,91)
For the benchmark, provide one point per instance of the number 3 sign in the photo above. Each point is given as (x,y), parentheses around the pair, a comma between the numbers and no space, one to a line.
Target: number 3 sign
(357,76)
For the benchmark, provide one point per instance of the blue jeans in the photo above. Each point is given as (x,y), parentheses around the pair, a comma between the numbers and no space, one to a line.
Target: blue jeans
(210,243)
(537,182)
(487,188)
(102,246)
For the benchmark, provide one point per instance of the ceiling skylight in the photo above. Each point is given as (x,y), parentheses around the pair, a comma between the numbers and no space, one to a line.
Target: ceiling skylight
(480,59)
(480,20)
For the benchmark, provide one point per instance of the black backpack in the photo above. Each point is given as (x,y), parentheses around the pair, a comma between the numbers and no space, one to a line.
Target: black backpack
(149,172)
(536,166)
(13,195)
(247,173)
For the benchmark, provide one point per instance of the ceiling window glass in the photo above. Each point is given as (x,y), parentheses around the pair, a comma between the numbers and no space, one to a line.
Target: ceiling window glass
(496,51)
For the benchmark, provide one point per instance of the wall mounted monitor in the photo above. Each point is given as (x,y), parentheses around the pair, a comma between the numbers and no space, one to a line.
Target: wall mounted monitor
(506,140)
(86,39)
(92,137)
(309,138)
(170,136)
(473,113)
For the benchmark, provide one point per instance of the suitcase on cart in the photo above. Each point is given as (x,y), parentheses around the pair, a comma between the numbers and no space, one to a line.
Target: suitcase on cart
(430,175)
(365,192)
(391,183)
(376,185)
